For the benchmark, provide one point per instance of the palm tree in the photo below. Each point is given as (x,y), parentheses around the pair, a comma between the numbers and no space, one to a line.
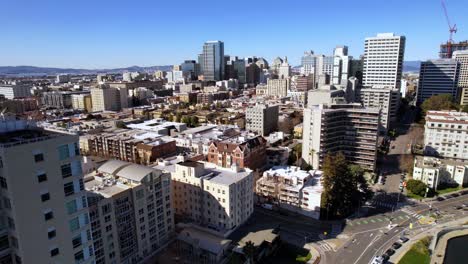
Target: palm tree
(249,251)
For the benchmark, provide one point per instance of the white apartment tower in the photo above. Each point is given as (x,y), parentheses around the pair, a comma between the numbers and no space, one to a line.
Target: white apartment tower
(341,64)
(383,61)
(45,216)
(105,98)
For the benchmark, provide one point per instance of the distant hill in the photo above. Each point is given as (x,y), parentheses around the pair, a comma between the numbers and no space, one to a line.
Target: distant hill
(411,66)
(37,71)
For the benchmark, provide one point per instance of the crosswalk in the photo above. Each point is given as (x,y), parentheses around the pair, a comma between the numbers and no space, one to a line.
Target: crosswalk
(325,246)
(412,213)
(376,220)
(383,204)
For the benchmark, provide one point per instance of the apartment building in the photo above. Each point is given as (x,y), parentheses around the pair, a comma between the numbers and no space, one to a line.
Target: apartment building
(44,217)
(19,106)
(438,77)
(214,197)
(293,189)
(59,99)
(446,134)
(347,128)
(15,91)
(434,171)
(107,98)
(262,119)
(388,100)
(130,211)
(278,87)
(128,145)
(199,139)
(242,151)
(82,101)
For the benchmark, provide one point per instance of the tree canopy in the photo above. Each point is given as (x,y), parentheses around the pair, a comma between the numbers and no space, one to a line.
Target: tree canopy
(344,186)
(439,102)
(417,187)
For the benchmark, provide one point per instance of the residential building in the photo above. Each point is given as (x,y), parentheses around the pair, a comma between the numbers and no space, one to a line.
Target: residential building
(438,77)
(388,100)
(293,189)
(62,78)
(241,151)
(278,87)
(446,134)
(347,128)
(454,46)
(302,83)
(308,63)
(15,91)
(44,213)
(326,94)
(341,65)
(213,61)
(128,145)
(262,119)
(130,211)
(436,172)
(107,98)
(462,58)
(220,199)
(383,61)
(20,105)
(160,127)
(82,101)
(58,99)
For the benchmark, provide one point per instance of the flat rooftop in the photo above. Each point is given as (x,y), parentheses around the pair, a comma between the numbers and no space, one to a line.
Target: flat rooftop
(26,136)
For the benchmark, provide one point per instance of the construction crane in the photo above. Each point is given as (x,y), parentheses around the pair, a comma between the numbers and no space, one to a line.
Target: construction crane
(452,30)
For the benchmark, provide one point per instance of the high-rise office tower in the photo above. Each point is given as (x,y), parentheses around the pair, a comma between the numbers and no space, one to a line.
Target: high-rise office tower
(309,63)
(438,77)
(462,58)
(213,60)
(383,61)
(44,214)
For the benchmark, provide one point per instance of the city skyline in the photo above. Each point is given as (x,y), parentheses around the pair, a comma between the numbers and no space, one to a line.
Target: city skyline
(104,35)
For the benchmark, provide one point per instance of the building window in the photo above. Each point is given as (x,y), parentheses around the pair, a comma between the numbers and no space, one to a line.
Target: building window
(79,257)
(76,241)
(45,197)
(39,157)
(71,207)
(42,177)
(68,188)
(11,223)
(49,215)
(63,152)
(66,170)
(51,234)
(54,252)
(3,183)
(74,224)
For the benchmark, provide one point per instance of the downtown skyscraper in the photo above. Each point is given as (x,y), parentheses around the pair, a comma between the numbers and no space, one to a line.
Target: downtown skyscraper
(212,60)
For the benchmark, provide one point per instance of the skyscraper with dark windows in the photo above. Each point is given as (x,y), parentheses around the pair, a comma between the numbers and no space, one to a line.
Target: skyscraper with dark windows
(213,60)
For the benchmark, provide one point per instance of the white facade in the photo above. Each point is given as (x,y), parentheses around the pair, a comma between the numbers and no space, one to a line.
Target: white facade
(341,65)
(434,171)
(278,87)
(105,98)
(383,60)
(293,189)
(15,91)
(446,134)
(462,58)
(388,100)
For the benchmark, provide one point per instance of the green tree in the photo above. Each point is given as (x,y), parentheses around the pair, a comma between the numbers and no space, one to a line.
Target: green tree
(416,187)
(185,119)
(464,108)
(344,186)
(194,121)
(439,102)
(249,251)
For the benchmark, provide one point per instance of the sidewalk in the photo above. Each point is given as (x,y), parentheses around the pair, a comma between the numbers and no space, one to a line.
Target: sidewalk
(424,233)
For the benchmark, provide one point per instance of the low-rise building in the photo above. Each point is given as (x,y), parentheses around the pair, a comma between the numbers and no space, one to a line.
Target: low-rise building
(435,172)
(293,189)
(130,211)
(15,91)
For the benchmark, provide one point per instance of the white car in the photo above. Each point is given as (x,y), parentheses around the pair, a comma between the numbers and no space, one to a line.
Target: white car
(377,260)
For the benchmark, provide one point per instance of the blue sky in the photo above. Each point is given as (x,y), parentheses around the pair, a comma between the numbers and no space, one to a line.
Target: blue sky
(102,33)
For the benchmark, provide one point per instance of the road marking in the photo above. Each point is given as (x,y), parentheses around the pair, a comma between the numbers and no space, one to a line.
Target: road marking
(358,223)
(372,220)
(364,251)
(371,234)
(350,224)
(380,220)
(365,222)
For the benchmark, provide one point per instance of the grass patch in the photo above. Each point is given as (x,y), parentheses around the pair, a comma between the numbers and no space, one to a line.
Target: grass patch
(409,194)
(419,253)
(448,190)
(304,259)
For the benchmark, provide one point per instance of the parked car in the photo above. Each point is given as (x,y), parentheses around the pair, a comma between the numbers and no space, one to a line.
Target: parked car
(403,239)
(377,260)
(455,195)
(390,252)
(396,245)
(440,198)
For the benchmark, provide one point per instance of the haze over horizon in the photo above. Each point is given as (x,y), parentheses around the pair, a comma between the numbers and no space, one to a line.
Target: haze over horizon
(105,34)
